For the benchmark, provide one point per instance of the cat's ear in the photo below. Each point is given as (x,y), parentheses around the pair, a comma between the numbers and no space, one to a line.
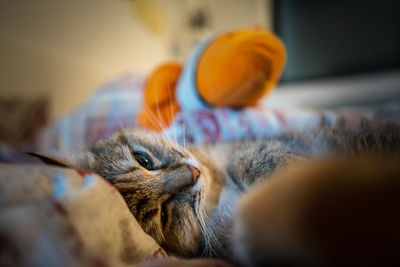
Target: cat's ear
(81,160)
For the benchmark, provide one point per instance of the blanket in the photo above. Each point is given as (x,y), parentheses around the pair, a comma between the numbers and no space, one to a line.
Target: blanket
(63,217)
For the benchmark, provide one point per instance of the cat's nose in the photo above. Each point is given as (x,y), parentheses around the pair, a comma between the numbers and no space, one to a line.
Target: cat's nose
(195,173)
(180,177)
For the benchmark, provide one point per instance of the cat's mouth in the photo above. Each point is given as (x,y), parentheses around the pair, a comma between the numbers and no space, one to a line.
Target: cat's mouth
(168,202)
(165,214)
(181,220)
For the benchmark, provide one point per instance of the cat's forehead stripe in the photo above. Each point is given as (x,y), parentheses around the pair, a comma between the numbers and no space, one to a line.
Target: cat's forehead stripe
(178,152)
(122,139)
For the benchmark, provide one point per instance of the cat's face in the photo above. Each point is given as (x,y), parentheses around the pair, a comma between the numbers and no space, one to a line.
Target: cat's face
(160,182)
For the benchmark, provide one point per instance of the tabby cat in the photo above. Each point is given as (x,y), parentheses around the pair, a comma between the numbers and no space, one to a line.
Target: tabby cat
(185,198)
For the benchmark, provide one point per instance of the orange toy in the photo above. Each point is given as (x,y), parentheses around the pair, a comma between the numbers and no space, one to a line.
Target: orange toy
(234,69)
(159,96)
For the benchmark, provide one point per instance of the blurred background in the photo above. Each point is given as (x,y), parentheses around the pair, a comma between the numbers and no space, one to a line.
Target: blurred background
(66,49)
(339,52)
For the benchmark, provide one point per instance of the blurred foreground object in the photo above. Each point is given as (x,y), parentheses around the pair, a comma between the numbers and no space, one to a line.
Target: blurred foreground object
(233,69)
(177,262)
(334,213)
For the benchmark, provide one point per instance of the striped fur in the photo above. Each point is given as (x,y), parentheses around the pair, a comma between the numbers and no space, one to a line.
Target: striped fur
(199,214)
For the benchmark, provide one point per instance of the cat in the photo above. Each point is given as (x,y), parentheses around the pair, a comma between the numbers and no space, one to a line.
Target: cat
(186,197)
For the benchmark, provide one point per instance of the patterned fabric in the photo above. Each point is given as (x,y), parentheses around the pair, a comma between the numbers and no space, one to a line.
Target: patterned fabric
(112,107)
(115,106)
(64,217)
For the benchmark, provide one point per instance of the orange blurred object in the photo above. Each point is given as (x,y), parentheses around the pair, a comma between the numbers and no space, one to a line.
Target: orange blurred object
(235,70)
(159,97)
(240,67)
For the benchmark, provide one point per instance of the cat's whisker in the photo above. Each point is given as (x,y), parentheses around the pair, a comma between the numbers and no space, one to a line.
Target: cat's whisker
(167,138)
(153,120)
(120,124)
(205,233)
(215,245)
(160,118)
(211,242)
(146,108)
(161,122)
(171,115)
(184,139)
(135,123)
(163,132)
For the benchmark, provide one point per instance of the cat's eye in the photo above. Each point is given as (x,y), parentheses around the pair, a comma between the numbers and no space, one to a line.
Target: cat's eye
(144,160)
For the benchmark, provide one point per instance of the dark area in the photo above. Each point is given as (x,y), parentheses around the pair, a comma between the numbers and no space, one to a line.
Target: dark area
(331,38)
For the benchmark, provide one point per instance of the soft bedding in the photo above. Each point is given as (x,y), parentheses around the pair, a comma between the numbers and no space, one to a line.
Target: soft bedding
(65,217)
